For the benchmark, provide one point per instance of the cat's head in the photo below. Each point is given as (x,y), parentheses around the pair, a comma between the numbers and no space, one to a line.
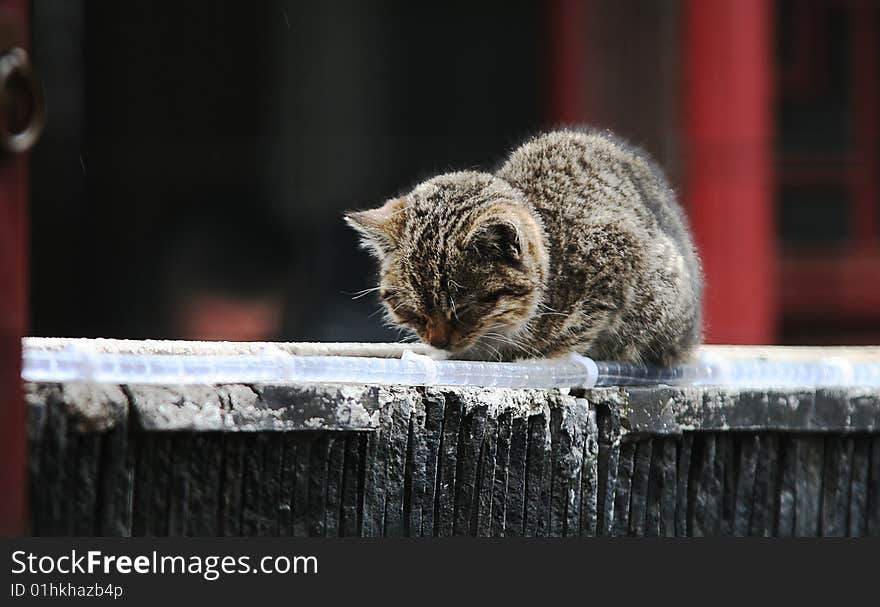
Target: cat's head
(463,261)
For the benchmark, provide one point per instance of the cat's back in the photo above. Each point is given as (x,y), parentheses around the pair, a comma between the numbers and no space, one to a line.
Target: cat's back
(592,165)
(608,210)
(553,162)
(591,175)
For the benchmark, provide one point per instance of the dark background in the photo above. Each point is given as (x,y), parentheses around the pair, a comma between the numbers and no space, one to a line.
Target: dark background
(221,141)
(210,148)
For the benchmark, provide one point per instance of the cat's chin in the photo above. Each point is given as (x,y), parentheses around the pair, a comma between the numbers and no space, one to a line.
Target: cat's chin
(468,353)
(484,349)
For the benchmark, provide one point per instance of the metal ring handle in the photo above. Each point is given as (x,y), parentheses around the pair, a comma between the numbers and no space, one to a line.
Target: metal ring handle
(20,95)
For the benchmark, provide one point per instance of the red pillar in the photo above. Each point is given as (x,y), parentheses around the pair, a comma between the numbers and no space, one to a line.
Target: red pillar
(13,320)
(727,119)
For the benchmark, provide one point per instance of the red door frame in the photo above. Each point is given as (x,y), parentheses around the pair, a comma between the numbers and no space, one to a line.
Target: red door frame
(826,287)
(14,192)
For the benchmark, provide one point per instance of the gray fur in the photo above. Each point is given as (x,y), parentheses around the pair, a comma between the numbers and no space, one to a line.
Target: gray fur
(575,244)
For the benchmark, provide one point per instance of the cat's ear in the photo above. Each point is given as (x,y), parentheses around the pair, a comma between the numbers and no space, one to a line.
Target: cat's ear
(499,240)
(379,228)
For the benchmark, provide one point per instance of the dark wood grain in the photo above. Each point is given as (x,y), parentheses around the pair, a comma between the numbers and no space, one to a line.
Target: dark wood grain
(441,462)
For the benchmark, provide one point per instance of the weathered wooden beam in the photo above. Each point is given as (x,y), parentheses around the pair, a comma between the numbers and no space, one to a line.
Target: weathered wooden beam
(382,461)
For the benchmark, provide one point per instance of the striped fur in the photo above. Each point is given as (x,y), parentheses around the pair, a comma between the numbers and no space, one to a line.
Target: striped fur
(575,244)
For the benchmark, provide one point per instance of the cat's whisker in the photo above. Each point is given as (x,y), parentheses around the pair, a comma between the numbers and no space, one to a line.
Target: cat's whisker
(454,312)
(533,352)
(364,293)
(492,349)
(511,340)
(383,308)
(408,333)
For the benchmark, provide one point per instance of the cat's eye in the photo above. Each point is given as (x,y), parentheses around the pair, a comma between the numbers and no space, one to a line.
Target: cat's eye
(410,317)
(494,296)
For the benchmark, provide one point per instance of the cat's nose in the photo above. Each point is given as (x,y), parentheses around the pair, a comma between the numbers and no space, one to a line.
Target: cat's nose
(440,342)
(438,335)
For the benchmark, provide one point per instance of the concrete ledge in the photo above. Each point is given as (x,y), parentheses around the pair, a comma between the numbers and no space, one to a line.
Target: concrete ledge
(262,407)
(664,410)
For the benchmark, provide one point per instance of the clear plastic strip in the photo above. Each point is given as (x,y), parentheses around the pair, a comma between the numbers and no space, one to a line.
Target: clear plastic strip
(275,366)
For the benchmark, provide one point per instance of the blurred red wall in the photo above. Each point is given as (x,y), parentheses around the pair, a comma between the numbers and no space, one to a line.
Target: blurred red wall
(765,115)
(13,317)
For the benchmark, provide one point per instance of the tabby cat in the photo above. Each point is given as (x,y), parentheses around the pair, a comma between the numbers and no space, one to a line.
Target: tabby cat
(575,244)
